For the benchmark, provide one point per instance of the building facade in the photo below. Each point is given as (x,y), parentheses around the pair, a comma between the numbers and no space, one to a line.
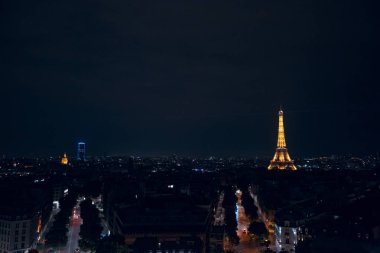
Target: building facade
(286,236)
(21,222)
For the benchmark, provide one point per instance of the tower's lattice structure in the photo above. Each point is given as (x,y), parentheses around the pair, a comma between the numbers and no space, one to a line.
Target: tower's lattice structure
(281,159)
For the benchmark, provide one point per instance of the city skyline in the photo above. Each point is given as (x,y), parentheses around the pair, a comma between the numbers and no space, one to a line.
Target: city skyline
(279,160)
(72,151)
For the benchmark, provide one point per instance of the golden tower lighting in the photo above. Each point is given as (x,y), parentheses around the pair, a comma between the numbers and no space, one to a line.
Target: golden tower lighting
(64,160)
(281,159)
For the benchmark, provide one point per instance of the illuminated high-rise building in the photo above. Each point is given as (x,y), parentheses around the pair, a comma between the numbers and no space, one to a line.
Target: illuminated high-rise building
(64,160)
(81,152)
(281,159)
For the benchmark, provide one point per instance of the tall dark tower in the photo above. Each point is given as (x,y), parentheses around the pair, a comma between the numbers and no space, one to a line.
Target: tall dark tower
(81,152)
(281,159)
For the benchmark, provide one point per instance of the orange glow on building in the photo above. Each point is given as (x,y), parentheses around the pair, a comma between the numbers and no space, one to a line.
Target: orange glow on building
(39,224)
(64,160)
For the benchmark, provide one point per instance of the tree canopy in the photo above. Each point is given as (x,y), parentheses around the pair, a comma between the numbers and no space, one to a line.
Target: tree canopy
(258,229)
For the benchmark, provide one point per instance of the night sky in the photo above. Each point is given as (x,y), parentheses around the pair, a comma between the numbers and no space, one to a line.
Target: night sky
(189,77)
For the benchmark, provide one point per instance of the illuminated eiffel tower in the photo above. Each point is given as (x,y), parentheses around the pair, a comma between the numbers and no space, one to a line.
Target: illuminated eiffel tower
(281,159)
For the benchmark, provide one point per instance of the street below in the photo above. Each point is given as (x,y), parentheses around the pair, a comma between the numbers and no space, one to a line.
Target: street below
(74,229)
(246,244)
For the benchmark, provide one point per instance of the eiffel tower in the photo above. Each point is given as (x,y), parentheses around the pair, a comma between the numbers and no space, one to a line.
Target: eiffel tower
(281,159)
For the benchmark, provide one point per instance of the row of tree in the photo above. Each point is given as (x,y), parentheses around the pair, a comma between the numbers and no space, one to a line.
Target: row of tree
(91,228)
(229,205)
(256,227)
(90,232)
(57,234)
(249,206)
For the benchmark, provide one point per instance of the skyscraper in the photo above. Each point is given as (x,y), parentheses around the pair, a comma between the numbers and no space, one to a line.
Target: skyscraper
(281,159)
(81,152)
